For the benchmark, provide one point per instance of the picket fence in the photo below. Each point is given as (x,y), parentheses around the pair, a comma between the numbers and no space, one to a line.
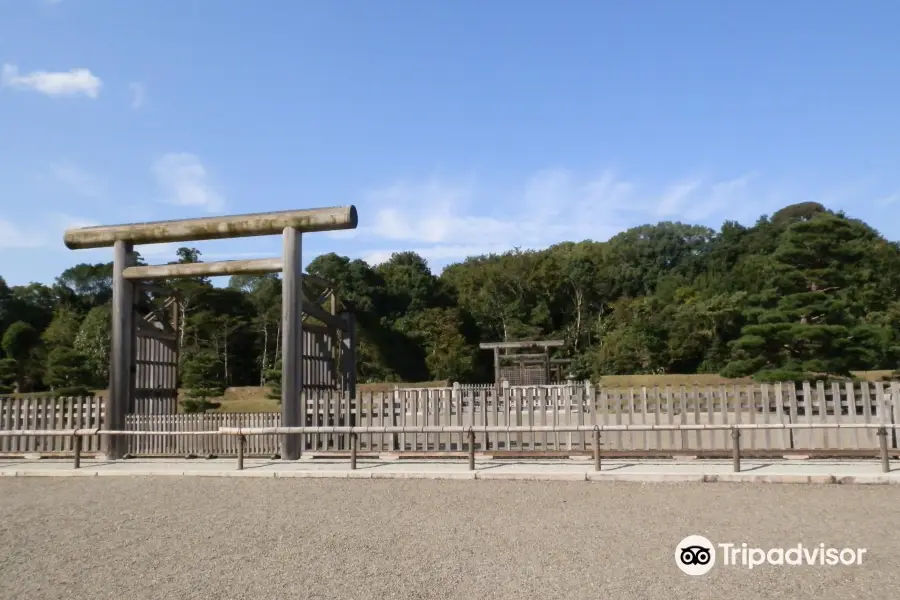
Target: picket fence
(810,403)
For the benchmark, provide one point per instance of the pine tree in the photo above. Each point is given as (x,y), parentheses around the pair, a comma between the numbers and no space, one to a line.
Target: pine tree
(7,375)
(806,322)
(273,380)
(68,373)
(202,376)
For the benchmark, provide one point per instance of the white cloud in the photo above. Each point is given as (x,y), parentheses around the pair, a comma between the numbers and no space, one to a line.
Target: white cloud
(186,182)
(138,95)
(672,201)
(13,236)
(78,180)
(446,221)
(62,221)
(61,83)
(47,233)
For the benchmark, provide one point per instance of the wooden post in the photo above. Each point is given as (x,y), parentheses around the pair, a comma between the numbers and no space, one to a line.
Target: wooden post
(736,449)
(292,341)
(242,442)
(120,354)
(471,449)
(353,445)
(883,446)
(596,449)
(350,349)
(496,372)
(76,444)
(395,401)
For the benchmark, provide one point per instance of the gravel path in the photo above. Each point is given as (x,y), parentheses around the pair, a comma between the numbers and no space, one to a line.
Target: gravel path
(161,538)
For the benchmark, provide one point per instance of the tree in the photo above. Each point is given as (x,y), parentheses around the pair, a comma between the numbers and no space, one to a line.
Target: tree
(265,296)
(93,342)
(448,354)
(88,285)
(202,376)
(63,329)
(19,342)
(68,373)
(806,322)
(33,304)
(805,292)
(273,380)
(7,375)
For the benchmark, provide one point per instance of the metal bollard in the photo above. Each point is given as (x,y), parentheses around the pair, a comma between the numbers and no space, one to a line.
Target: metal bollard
(471,449)
(76,445)
(596,449)
(353,444)
(241,443)
(736,449)
(883,446)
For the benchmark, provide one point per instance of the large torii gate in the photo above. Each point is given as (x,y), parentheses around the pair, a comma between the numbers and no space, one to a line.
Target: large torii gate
(290,224)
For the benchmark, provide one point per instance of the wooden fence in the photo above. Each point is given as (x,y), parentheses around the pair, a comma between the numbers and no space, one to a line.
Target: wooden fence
(49,413)
(811,403)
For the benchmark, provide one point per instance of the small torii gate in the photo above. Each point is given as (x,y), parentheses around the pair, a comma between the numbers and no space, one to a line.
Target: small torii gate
(526,368)
(290,224)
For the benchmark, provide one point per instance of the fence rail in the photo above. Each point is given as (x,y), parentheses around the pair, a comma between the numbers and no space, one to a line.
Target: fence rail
(241,435)
(535,419)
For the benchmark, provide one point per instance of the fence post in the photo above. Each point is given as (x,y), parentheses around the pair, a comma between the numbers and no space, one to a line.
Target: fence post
(395,438)
(736,449)
(76,445)
(471,449)
(241,443)
(597,449)
(883,446)
(353,444)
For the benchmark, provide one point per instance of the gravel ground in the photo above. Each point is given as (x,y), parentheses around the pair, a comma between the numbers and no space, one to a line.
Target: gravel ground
(161,538)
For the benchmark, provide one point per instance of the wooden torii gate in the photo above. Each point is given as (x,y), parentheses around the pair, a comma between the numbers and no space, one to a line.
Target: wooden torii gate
(290,224)
(522,368)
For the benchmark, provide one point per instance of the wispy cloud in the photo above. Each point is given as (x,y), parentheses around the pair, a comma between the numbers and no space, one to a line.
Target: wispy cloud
(445,221)
(44,232)
(62,221)
(138,95)
(78,180)
(14,236)
(186,182)
(61,83)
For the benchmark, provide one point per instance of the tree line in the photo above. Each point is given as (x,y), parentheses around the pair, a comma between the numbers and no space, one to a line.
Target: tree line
(804,293)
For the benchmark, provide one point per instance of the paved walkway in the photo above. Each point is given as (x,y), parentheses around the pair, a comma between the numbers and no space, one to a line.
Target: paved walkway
(752,471)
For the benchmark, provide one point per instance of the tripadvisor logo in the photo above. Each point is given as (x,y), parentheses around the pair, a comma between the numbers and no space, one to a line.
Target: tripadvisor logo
(696,555)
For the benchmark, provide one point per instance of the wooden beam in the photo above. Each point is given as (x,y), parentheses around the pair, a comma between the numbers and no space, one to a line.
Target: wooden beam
(256,266)
(149,287)
(214,228)
(541,356)
(317,312)
(316,328)
(532,344)
(316,280)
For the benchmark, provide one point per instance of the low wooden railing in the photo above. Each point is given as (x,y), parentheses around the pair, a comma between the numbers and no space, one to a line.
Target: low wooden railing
(77,435)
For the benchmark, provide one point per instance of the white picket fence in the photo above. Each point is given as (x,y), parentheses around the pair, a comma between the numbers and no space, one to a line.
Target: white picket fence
(809,403)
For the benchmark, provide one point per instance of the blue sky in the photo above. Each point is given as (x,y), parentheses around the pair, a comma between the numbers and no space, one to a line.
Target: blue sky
(456,127)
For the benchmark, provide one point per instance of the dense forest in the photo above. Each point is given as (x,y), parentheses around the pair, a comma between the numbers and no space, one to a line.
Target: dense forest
(802,293)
